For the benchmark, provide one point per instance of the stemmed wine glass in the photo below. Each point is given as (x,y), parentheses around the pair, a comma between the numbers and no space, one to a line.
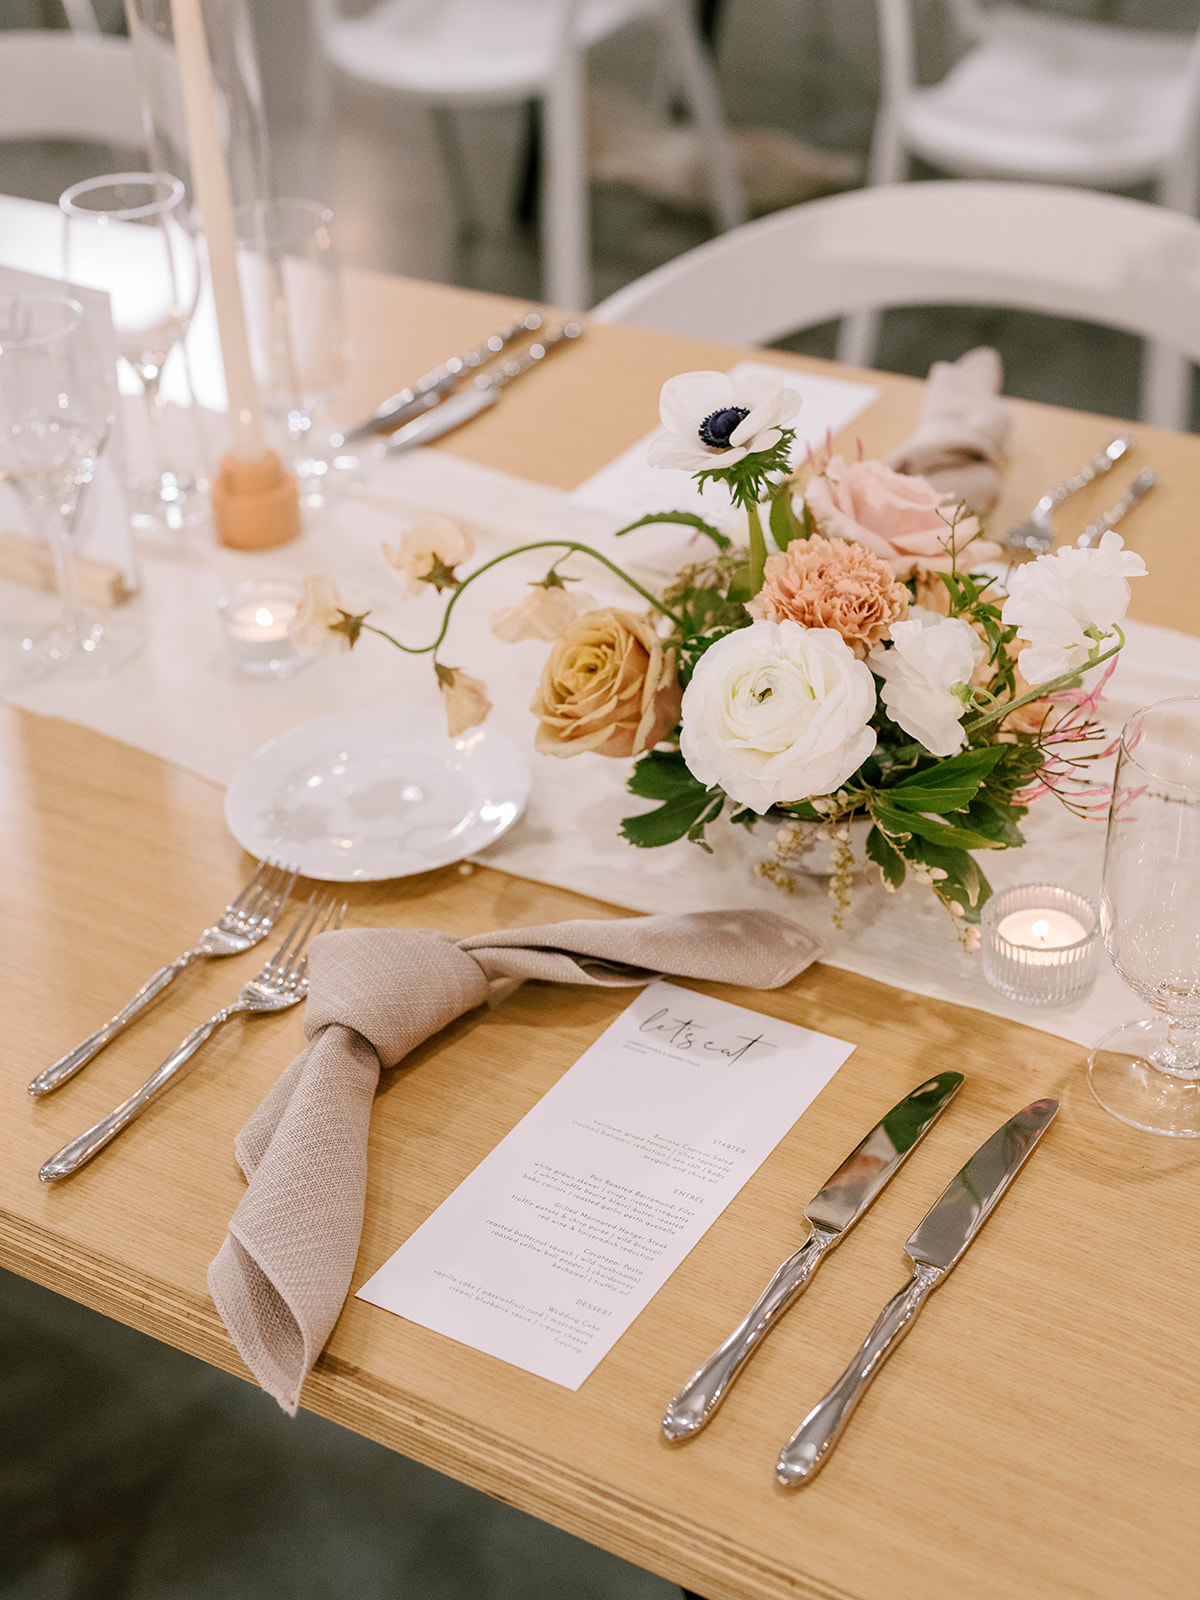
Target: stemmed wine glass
(127,234)
(57,404)
(1147,1073)
(292,292)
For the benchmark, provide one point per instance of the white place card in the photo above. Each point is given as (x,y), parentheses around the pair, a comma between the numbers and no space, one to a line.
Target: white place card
(548,1251)
(630,487)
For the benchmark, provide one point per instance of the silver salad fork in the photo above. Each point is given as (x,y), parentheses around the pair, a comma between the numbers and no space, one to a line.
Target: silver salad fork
(283,982)
(245,921)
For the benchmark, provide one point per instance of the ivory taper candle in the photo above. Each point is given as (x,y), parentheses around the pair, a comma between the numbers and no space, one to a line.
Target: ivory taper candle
(210,175)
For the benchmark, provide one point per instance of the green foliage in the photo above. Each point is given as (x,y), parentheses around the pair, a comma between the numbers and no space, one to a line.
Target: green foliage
(688,806)
(784,523)
(749,479)
(886,857)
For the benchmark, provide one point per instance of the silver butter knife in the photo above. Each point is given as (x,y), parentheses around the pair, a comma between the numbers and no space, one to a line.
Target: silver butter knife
(832,1212)
(484,392)
(938,1242)
(430,390)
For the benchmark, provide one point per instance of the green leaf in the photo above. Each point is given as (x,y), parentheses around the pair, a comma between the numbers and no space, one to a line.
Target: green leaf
(661,775)
(950,786)
(785,524)
(945,834)
(997,820)
(888,859)
(689,518)
(688,814)
(964,885)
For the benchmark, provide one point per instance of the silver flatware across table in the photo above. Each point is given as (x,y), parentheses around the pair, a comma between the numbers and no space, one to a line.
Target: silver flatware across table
(1137,491)
(283,982)
(484,392)
(831,1213)
(243,923)
(433,388)
(937,1244)
(1036,532)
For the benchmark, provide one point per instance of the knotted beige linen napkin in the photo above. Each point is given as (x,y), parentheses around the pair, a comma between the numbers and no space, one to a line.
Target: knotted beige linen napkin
(283,1273)
(961,438)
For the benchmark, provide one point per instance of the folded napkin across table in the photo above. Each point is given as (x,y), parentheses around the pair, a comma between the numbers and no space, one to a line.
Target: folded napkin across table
(282,1275)
(961,439)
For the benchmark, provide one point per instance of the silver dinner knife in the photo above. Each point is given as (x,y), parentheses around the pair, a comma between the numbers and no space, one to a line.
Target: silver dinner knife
(939,1241)
(484,392)
(832,1212)
(430,390)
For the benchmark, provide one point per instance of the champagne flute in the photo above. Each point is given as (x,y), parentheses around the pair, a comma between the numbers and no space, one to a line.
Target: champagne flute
(1147,1073)
(295,319)
(57,404)
(127,234)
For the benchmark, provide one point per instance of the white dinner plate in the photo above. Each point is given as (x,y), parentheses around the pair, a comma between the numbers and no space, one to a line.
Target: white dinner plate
(364,795)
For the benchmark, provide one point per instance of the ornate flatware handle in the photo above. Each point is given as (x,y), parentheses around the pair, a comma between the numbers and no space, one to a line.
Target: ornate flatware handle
(700,1396)
(809,1447)
(67,1066)
(81,1150)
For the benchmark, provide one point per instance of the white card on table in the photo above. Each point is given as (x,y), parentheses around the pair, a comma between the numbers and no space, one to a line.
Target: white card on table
(630,487)
(546,1253)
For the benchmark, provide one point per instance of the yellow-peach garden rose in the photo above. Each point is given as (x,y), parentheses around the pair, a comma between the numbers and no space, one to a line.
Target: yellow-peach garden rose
(608,686)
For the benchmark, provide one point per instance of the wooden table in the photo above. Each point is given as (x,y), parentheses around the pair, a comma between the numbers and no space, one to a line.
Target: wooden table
(1035,1437)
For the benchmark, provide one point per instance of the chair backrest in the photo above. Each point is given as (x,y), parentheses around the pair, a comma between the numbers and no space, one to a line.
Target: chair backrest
(64,85)
(1068,252)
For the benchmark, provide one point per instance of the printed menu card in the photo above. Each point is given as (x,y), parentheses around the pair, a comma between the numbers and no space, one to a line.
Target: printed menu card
(546,1253)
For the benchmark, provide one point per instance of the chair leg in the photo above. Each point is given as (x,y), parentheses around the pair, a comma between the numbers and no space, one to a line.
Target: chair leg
(566,247)
(466,230)
(1166,398)
(857,338)
(699,83)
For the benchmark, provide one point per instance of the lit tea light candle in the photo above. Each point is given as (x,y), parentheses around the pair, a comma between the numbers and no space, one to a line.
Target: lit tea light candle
(257,621)
(1042,931)
(1041,944)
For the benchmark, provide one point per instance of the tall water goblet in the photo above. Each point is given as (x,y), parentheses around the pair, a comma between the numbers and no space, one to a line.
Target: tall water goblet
(1147,1073)
(57,405)
(295,318)
(127,234)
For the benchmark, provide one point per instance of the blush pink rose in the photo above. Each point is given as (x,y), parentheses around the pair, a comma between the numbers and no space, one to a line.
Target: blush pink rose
(901,518)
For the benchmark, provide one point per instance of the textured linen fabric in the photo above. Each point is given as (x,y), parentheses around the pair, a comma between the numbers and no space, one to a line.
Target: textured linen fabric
(961,438)
(282,1275)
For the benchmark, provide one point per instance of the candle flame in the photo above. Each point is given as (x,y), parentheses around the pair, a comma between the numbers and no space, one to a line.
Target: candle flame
(1041,931)
(265,618)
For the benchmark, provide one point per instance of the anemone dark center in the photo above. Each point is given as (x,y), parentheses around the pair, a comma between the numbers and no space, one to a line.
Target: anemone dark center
(717,429)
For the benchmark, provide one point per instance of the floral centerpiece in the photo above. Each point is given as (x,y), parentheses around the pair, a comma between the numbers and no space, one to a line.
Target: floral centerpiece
(848,660)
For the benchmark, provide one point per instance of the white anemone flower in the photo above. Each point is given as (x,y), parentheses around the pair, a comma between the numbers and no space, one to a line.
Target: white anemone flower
(709,421)
(1063,603)
(925,671)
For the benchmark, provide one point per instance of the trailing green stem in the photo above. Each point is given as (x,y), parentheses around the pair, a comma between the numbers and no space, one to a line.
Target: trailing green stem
(1007,707)
(567,546)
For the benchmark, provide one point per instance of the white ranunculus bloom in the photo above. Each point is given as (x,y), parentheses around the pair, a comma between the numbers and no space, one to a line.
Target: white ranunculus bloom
(710,422)
(776,712)
(929,657)
(1055,600)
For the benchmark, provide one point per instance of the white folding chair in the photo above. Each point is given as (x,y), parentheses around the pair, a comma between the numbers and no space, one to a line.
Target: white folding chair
(58,83)
(1043,98)
(455,53)
(1033,247)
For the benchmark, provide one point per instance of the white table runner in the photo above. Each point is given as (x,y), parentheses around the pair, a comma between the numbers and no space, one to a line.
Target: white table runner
(182,702)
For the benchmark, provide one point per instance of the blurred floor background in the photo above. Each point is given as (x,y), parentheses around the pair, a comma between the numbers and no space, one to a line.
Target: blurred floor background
(129,1471)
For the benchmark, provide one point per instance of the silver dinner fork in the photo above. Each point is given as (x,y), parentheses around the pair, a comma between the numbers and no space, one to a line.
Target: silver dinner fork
(283,982)
(245,921)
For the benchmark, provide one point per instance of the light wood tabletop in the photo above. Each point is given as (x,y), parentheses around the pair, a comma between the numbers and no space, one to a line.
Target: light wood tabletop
(1036,1434)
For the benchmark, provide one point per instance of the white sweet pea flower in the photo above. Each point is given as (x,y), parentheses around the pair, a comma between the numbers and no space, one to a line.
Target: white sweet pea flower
(710,423)
(546,612)
(925,672)
(776,712)
(1062,604)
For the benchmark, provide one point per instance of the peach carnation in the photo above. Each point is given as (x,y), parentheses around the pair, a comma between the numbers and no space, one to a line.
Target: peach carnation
(830,583)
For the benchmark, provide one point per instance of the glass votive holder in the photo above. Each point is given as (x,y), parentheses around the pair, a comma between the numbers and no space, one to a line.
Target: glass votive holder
(256,620)
(1041,944)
